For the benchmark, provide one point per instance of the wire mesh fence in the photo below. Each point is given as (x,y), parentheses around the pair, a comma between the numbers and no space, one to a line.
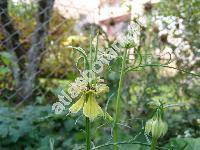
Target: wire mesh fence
(28,43)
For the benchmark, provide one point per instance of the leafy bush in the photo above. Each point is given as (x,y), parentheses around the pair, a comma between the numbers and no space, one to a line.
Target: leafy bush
(34,127)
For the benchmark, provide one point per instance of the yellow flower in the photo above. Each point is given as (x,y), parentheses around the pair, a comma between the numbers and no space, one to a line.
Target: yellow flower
(78,105)
(91,109)
(87,101)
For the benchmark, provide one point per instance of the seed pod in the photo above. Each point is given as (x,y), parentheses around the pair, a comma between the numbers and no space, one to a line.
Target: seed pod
(157,127)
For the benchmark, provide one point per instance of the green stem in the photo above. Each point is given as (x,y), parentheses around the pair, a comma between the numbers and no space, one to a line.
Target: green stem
(126,143)
(153,144)
(97,46)
(118,100)
(87,120)
(87,126)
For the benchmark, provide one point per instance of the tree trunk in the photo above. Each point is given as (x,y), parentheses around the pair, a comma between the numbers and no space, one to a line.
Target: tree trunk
(13,46)
(38,44)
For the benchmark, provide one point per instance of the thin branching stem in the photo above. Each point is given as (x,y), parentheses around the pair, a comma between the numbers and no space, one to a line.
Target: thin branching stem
(160,65)
(125,143)
(117,106)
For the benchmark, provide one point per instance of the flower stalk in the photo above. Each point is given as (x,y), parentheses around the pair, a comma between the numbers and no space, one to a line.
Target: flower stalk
(87,119)
(117,106)
(87,126)
(153,144)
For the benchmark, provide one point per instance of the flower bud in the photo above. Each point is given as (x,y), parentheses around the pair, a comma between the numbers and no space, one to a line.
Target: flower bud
(157,127)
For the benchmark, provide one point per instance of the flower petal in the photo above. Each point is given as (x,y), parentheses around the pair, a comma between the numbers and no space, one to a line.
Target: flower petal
(91,109)
(77,106)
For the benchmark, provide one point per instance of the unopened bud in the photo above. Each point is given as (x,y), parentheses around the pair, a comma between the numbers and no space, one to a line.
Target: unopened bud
(157,127)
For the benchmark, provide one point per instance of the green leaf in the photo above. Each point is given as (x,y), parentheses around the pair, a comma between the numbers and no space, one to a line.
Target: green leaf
(5,57)
(184,144)
(4,70)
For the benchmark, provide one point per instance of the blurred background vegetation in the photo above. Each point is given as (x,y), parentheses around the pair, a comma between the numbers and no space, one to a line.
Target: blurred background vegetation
(171,26)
